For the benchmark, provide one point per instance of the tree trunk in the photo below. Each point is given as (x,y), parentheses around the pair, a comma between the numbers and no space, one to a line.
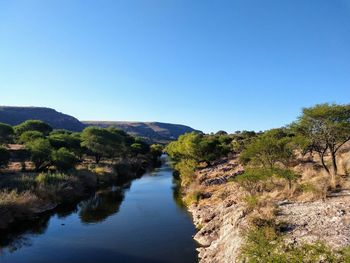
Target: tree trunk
(334,170)
(97,158)
(324,164)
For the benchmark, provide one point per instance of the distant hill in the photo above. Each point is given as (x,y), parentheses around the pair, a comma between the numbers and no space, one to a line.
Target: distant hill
(152,131)
(57,120)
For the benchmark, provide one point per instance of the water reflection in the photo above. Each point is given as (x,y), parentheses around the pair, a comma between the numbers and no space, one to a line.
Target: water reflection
(97,208)
(102,205)
(19,237)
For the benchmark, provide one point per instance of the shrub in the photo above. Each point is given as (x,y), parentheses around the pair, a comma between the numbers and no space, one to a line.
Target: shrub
(252,202)
(29,136)
(51,178)
(254,180)
(191,198)
(265,245)
(40,150)
(63,159)
(4,157)
(33,125)
(6,133)
(186,169)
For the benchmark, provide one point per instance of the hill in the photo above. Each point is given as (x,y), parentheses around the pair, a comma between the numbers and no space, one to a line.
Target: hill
(15,115)
(152,131)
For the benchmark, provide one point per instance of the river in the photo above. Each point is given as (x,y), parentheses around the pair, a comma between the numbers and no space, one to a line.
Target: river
(138,223)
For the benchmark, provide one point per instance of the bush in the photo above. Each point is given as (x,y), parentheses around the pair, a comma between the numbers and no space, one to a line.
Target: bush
(51,178)
(254,180)
(33,125)
(4,157)
(6,133)
(40,150)
(63,159)
(29,136)
(186,169)
(265,245)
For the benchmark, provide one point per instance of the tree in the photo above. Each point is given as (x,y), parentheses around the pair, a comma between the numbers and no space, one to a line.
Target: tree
(186,147)
(33,125)
(4,157)
(101,142)
(63,159)
(29,136)
(268,149)
(40,150)
(6,133)
(325,129)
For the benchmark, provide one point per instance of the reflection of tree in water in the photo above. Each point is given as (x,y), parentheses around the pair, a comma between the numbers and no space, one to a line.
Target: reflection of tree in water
(100,206)
(21,235)
(177,194)
(92,210)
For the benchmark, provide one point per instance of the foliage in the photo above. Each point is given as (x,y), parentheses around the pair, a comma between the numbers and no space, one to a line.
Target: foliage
(156,150)
(186,168)
(63,159)
(139,148)
(29,136)
(51,178)
(265,245)
(269,148)
(4,157)
(64,139)
(40,150)
(33,125)
(199,147)
(6,133)
(324,128)
(254,180)
(101,142)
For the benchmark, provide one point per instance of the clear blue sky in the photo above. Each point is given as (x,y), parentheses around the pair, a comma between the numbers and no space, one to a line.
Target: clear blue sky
(210,64)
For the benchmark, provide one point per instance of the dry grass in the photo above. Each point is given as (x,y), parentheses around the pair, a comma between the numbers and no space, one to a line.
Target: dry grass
(13,198)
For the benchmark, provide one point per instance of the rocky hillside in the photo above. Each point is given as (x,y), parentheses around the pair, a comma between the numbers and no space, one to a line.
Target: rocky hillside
(15,115)
(152,131)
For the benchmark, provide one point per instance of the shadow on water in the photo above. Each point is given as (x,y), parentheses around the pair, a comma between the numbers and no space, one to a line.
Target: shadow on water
(98,207)
(102,205)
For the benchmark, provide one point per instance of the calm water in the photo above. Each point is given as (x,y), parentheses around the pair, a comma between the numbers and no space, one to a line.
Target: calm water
(138,223)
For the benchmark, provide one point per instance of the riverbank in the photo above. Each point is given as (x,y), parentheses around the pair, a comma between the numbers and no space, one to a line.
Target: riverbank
(225,214)
(25,196)
(135,222)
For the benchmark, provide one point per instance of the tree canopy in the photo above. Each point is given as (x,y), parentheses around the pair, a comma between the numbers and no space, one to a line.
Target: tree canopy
(6,133)
(324,128)
(33,125)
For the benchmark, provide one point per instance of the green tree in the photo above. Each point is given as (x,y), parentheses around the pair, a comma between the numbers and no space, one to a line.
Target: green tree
(6,133)
(156,150)
(40,150)
(101,142)
(325,129)
(63,159)
(4,157)
(33,125)
(29,136)
(268,149)
(186,147)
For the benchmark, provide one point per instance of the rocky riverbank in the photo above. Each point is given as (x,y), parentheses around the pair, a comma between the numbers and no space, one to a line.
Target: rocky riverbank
(222,216)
